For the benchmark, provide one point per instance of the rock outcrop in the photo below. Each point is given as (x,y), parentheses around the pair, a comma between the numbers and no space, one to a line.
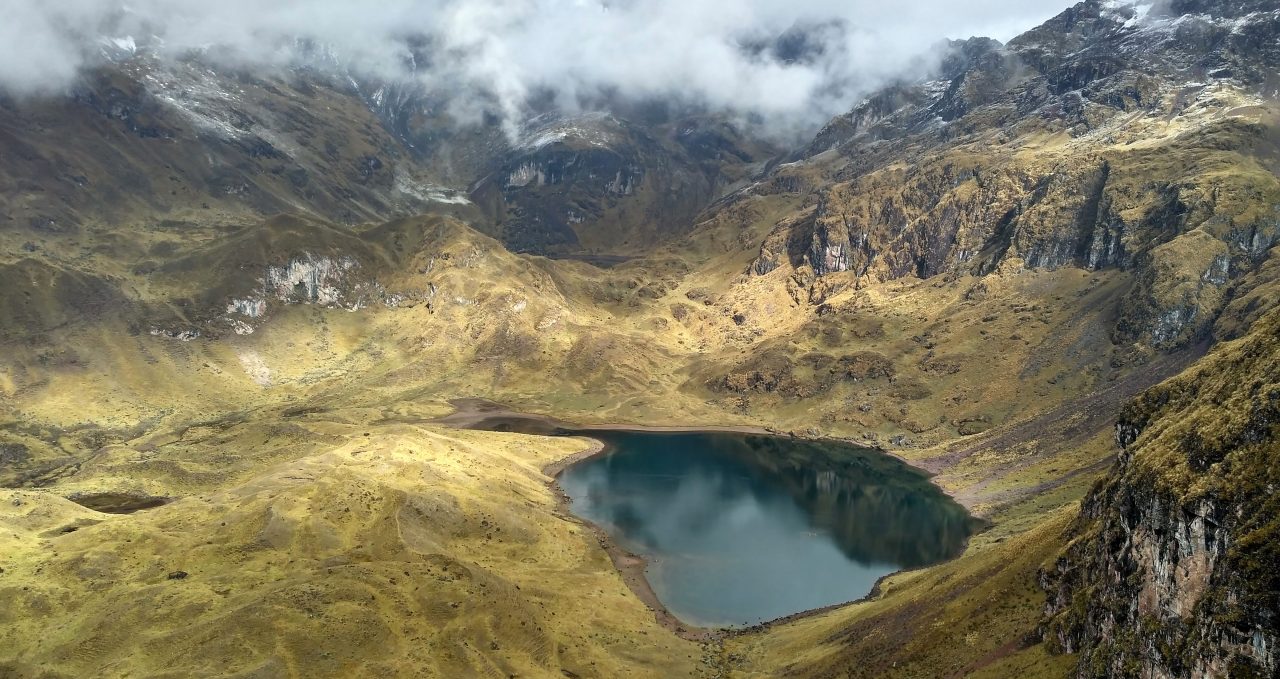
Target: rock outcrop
(1174,566)
(1118,137)
(600,183)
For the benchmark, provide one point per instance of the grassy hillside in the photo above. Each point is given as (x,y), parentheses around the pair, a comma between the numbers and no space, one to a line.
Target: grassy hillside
(218,446)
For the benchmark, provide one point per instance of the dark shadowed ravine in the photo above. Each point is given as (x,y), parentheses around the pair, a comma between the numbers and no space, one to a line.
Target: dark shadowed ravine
(738,529)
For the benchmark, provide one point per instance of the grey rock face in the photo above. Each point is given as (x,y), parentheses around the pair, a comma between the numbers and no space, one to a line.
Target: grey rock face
(931,181)
(1172,568)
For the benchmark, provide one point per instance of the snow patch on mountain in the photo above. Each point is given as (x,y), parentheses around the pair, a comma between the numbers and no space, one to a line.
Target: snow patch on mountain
(428,193)
(125,44)
(589,129)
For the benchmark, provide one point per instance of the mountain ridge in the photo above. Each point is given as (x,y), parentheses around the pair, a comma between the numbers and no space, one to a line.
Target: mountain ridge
(223,287)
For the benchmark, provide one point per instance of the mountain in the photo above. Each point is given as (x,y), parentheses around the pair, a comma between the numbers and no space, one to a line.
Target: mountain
(599,184)
(188,147)
(1121,138)
(237,301)
(1172,567)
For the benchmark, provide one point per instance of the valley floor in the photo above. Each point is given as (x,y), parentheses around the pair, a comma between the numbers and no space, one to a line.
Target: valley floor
(319,519)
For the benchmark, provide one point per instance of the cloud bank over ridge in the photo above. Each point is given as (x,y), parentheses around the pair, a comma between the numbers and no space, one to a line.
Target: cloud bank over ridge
(779,61)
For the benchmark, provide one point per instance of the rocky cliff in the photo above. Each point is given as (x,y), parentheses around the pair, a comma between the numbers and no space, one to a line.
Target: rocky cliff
(1134,138)
(1174,567)
(191,147)
(601,183)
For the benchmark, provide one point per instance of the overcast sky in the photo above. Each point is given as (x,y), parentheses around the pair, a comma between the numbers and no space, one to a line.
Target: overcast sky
(695,50)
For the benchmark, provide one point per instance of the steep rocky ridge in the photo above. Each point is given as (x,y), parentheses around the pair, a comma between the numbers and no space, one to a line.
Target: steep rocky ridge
(188,149)
(184,146)
(1173,568)
(1110,137)
(597,183)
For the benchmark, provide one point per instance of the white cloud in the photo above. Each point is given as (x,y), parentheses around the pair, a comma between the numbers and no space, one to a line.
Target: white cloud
(697,51)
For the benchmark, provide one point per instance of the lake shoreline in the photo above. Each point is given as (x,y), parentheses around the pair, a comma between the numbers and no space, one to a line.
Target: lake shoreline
(469,413)
(631,566)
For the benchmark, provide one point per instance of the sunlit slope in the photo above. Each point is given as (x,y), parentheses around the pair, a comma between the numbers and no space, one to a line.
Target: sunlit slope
(976,273)
(377,549)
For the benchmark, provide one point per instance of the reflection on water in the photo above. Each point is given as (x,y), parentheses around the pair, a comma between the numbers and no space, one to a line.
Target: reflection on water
(739,528)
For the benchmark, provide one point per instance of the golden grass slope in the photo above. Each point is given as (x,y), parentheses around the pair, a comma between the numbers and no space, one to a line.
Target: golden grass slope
(312,549)
(396,550)
(969,617)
